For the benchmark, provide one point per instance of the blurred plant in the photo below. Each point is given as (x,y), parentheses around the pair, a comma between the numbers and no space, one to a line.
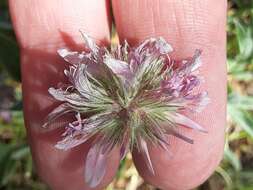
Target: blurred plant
(236,168)
(8,44)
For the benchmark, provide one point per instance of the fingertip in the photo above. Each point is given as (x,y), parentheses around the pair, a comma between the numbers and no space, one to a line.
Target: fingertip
(47,24)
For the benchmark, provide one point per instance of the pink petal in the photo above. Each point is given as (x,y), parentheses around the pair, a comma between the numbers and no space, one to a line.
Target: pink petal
(143,148)
(95,166)
(124,147)
(187,122)
(180,136)
(120,68)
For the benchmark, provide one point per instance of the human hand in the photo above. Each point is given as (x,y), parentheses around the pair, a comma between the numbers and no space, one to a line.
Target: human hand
(42,27)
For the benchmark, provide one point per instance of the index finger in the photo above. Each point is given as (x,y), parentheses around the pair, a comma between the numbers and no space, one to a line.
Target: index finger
(41,28)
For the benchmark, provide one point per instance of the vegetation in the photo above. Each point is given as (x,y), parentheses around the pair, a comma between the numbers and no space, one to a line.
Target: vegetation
(234,173)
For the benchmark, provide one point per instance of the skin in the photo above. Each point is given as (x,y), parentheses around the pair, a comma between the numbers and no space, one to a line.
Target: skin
(42,27)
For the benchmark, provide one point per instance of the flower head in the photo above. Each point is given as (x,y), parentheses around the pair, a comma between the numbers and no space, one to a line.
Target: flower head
(126,97)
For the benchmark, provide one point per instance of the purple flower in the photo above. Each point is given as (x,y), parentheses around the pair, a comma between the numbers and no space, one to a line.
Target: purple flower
(122,96)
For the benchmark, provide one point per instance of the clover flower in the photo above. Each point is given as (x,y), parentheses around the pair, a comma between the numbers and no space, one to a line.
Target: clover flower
(126,97)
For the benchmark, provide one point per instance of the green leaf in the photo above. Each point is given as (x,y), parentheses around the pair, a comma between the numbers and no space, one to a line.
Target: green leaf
(9,172)
(243,76)
(242,118)
(5,26)
(9,56)
(244,38)
(241,102)
(225,176)
(5,151)
(21,152)
(237,135)
(232,158)
(234,66)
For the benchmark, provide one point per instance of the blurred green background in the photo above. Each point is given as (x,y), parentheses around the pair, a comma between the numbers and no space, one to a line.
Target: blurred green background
(236,170)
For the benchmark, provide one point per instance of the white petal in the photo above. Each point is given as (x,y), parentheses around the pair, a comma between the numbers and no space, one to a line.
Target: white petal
(160,43)
(163,46)
(70,142)
(63,52)
(72,98)
(205,100)
(197,61)
(72,57)
(187,122)
(59,111)
(90,43)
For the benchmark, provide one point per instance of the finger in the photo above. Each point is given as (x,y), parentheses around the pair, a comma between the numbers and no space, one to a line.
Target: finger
(41,28)
(187,25)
